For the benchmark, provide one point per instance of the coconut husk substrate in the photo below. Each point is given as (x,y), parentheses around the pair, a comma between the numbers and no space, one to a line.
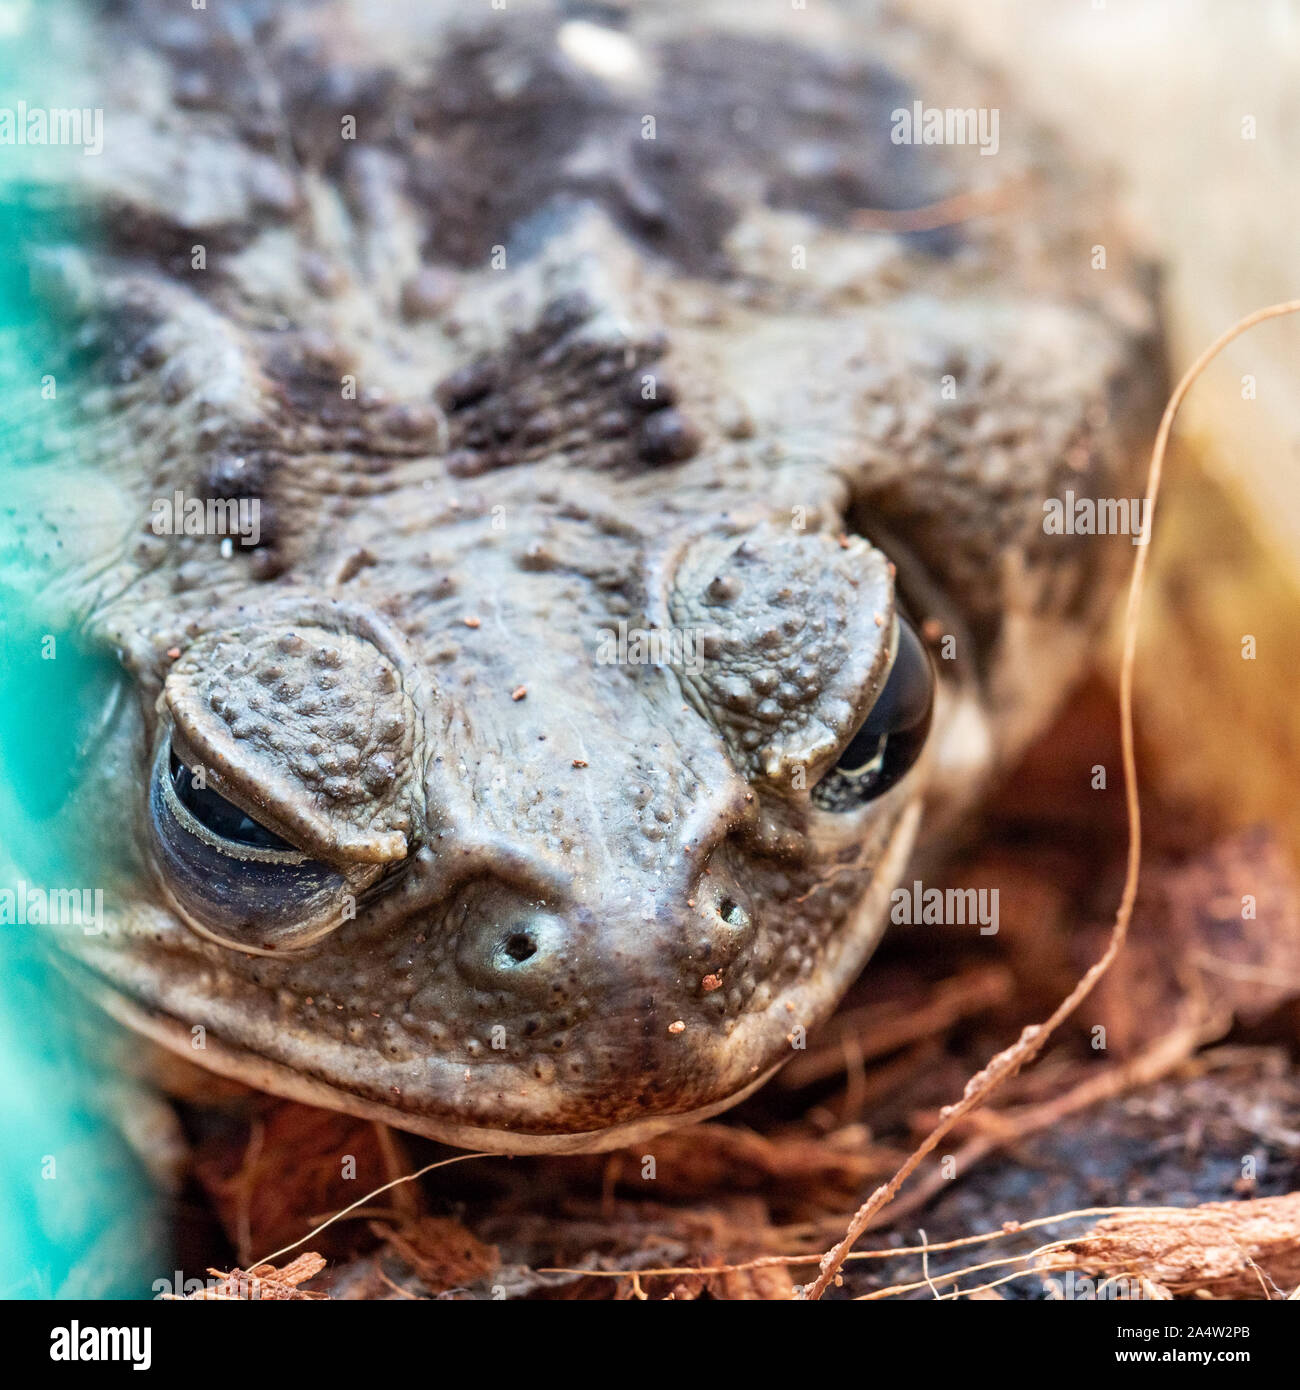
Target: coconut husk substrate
(1151,1151)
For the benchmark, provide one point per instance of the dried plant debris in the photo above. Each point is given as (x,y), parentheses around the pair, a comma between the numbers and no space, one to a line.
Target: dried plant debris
(673,1223)
(264,1282)
(1229,1126)
(1216,939)
(439,1251)
(880,1028)
(270,1178)
(1218,1250)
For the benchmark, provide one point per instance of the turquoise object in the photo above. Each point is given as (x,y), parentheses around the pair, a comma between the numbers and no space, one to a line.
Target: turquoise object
(77,1215)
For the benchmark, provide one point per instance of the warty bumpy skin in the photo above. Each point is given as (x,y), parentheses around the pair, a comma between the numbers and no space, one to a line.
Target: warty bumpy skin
(524,330)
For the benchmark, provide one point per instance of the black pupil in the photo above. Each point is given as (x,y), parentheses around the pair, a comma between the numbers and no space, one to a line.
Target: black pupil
(218,815)
(892,735)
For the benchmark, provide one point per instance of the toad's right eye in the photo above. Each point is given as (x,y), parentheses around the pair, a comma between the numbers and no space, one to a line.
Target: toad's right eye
(223,818)
(233,878)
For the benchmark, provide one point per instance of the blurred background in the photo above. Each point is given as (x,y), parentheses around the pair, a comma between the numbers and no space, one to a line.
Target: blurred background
(1196,104)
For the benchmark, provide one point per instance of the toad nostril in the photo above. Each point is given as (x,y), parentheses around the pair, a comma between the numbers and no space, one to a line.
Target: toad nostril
(531,954)
(732,913)
(521,946)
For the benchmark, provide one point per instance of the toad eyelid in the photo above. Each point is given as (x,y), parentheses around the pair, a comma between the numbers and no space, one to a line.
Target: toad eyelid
(185,818)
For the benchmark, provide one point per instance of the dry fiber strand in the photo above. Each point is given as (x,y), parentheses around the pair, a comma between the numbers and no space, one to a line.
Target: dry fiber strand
(1226,1249)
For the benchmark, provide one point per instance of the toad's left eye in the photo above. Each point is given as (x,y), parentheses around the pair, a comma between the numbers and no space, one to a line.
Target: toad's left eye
(892,735)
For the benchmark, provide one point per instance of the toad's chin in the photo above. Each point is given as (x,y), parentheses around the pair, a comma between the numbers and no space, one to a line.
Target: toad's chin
(279,1080)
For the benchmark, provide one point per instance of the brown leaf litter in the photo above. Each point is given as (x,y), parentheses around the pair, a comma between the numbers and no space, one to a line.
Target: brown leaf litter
(264,1282)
